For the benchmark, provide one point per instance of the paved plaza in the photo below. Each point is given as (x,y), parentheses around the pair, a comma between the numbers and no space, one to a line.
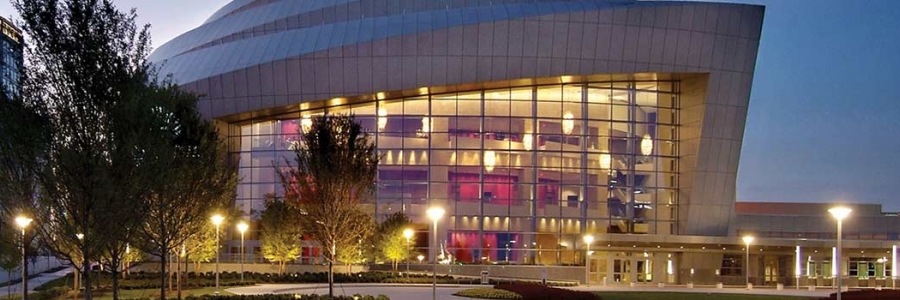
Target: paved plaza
(423,291)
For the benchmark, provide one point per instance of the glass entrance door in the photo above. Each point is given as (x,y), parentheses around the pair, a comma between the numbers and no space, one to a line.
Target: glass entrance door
(622,270)
(644,270)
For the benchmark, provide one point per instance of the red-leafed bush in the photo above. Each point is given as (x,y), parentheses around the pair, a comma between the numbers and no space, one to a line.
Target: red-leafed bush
(867,295)
(541,292)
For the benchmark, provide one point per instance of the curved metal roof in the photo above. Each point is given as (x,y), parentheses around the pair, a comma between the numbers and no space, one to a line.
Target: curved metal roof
(250,32)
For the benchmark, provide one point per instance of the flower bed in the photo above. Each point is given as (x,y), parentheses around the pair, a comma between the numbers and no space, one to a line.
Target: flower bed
(541,292)
(488,293)
(867,295)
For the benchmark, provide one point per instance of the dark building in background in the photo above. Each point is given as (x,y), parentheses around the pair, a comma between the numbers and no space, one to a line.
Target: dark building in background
(10,57)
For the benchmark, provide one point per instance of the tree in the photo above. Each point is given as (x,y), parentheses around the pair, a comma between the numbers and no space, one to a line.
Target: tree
(336,165)
(392,244)
(23,148)
(193,179)
(281,233)
(201,247)
(10,254)
(23,140)
(86,74)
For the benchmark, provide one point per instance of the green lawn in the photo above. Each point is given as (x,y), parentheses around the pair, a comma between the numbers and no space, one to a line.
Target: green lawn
(690,296)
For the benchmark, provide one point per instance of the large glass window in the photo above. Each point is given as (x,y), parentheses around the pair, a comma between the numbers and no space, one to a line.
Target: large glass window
(526,170)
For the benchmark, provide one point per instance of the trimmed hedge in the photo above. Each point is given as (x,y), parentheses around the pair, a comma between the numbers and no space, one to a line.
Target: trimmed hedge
(143,282)
(541,292)
(286,297)
(319,277)
(488,293)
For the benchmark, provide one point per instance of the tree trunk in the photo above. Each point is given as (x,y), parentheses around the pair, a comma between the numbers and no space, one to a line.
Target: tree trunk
(77,283)
(169,273)
(178,274)
(88,287)
(114,262)
(162,272)
(331,279)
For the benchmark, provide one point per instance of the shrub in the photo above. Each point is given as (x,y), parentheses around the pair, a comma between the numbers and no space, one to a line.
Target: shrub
(49,294)
(541,292)
(488,293)
(285,297)
(867,295)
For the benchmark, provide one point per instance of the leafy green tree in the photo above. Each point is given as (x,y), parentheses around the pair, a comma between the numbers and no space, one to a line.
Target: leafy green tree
(127,154)
(10,253)
(87,73)
(354,253)
(192,178)
(336,164)
(201,247)
(132,255)
(23,147)
(281,233)
(392,244)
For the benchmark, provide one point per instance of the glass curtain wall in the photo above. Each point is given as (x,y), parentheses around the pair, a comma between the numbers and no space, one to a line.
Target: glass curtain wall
(523,172)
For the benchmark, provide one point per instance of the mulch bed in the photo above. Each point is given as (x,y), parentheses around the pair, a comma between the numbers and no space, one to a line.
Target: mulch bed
(541,292)
(867,295)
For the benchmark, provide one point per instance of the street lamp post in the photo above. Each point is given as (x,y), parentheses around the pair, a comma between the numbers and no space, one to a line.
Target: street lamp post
(407,233)
(839,213)
(23,222)
(435,213)
(588,239)
(242,227)
(747,240)
(217,220)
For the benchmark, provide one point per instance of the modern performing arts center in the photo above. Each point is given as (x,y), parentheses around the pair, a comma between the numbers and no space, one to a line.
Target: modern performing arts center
(533,123)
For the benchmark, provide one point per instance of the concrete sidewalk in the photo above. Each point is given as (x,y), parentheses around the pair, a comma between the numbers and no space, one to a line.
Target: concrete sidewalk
(445,291)
(709,290)
(34,282)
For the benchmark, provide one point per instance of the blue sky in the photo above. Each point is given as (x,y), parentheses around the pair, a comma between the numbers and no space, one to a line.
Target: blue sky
(824,117)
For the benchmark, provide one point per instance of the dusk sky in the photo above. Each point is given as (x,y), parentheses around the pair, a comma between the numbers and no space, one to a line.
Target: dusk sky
(824,119)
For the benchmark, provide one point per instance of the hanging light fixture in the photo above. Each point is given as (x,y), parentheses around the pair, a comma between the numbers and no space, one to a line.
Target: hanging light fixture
(426,125)
(490,160)
(647,145)
(568,123)
(382,119)
(306,123)
(605,161)
(426,128)
(528,141)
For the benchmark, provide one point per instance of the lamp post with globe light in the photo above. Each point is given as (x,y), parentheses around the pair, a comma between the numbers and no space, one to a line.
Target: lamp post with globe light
(435,213)
(747,240)
(242,227)
(588,240)
(407,233)
(217,220)
(839,213)
(23,223)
